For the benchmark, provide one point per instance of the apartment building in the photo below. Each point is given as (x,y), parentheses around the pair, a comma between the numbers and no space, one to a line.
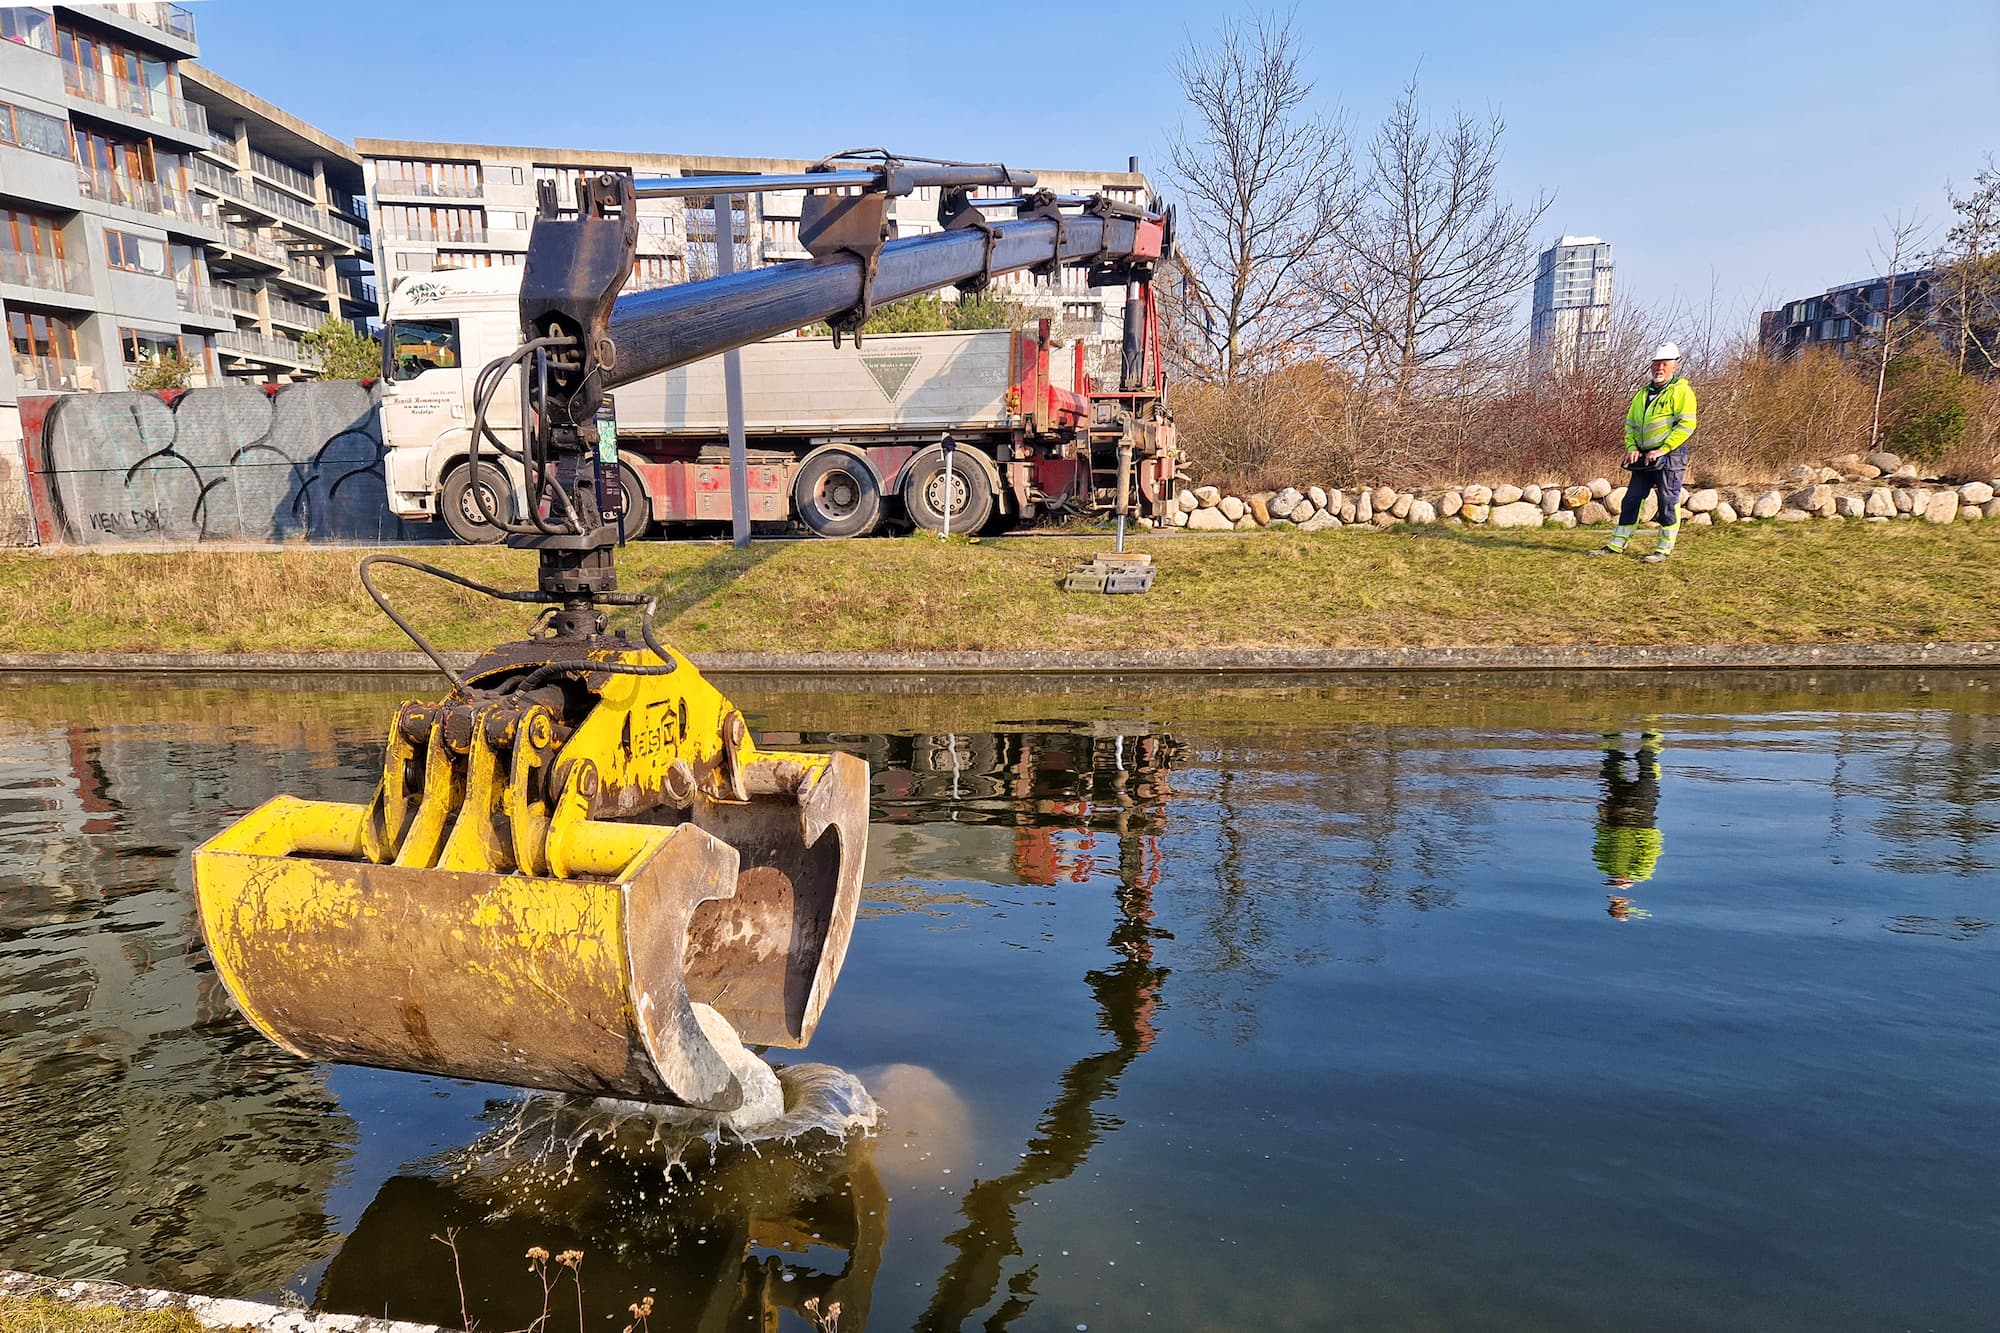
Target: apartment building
(1571,315)
(151,207)
(458,205)
(293,249)
(1849,315)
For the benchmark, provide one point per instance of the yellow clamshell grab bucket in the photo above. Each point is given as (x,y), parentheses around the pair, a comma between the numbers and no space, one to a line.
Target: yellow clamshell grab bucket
(568,879)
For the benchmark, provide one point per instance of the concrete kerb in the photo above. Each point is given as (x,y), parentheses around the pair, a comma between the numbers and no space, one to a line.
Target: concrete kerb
(216,1313)
(1590,657)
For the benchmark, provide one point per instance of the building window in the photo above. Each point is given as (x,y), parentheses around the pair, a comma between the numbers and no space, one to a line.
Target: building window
(447,180)
(34,131)
(515,174)
(136,254)
(31,250)
(479,259)
(29,27)
(417,222)
(142,346)
(45,352)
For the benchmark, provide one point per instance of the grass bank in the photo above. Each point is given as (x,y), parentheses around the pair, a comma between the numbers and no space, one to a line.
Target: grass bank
(37,1314)
(1409,587)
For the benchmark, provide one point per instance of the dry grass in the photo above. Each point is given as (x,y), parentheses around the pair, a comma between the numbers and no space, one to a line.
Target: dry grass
(1434,586)
(37,1314)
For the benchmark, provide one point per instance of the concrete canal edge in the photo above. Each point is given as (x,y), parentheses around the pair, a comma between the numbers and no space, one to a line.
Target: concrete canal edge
(1162,661)
(211,1311)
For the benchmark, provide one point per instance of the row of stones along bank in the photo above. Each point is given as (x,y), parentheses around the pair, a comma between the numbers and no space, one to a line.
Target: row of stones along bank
(1879,488)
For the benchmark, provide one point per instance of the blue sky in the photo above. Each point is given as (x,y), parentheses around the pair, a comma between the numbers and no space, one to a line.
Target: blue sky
(1749,149)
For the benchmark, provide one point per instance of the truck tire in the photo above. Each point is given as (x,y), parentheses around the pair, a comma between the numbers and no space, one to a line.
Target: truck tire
(460,510)
(836,494)
(636,518)
(971,493)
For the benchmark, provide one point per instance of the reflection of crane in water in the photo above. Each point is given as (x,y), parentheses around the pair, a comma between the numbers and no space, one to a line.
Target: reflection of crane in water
(1127,994)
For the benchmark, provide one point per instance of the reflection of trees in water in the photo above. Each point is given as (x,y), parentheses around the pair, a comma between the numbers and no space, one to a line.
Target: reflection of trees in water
(151,1134)
(1940,788)
(1300,829)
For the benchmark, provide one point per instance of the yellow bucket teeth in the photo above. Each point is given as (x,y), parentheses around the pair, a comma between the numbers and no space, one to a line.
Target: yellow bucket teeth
(482,918)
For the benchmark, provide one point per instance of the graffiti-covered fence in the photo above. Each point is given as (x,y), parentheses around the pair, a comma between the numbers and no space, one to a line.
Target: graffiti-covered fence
(298,461)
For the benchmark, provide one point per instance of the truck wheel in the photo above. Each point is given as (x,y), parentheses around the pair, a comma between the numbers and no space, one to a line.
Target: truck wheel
(636,518)
(461,511)
(971,494)
(838,495)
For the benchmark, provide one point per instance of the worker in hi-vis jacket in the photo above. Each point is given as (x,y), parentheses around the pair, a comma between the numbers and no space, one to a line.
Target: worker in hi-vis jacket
(1658,426)
(1628,842)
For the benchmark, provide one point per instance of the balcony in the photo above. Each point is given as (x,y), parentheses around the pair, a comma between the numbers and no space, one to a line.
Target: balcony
(306,274)
(271,169)
(260,346)
(42,272)
(244,241)
(241,301)
(48,374)
(222,146)
(414,188)
(358,289)
(206,299)
(297,313)
(462,235)
(174,20)
(89,85)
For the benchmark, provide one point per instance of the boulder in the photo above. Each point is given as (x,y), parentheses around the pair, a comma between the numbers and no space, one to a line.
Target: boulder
(1907,472)
(1885,460)
(1576,497)
(1473,513)
(1450,503)
(1599,488)
(1791,515)
(1811,498)
(1401,505)
(1941,508)
(1208,497)
(1701,520)
(1180,518)
(1866,472)
(1422,511)
(1232,508)
(1906,502)
(1364,507)
(1976,492)
(1284,502)
(1381,497)
(1879,503)
(1704,501)
(1246,524)
(1767,505)
(1802,475)
(1347,511)
(1993,508)
(1188,502)
(1208,520)
(1849,506)
(1303,510)
(1516,514)
(1829,474)
(1562,518)
(1319,522)
(1725,512)
(1478,495)
(1593,512)
(1970,513)
(1317,494)
(1260,511)
(1551,500)
(1335,502)
(1384,519)
(1505,494)
(1533,494)
(1615,501)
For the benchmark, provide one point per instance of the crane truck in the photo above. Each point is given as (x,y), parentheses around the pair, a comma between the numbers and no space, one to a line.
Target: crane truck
(844,441)
(578,871)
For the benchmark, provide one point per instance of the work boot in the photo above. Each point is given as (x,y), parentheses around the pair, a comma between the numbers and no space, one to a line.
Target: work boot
(1606,550)
(1656,558)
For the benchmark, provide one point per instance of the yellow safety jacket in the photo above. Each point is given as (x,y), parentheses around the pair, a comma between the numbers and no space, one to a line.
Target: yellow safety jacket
(1627,853)
(1663,424)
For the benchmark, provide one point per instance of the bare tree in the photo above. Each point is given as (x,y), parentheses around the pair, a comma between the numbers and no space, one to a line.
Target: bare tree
(1264,181)
(1431,259)
(1898,245)
(1969,273)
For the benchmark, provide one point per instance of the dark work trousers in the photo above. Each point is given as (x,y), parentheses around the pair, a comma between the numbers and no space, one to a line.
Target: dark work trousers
(1663,481)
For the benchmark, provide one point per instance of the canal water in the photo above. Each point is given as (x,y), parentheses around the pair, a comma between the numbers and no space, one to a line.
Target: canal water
(1636,1002)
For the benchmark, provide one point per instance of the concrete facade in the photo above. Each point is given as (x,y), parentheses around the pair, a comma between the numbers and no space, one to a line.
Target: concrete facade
(457,205)
(1850,315)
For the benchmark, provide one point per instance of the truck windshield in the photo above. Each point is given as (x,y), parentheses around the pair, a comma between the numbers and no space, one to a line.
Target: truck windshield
(417,345)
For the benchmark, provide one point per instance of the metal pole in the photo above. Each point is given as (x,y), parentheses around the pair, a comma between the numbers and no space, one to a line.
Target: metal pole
(732,378)
(945,535)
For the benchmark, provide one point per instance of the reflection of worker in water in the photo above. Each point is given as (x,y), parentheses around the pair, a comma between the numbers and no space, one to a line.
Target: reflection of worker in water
(1628,836)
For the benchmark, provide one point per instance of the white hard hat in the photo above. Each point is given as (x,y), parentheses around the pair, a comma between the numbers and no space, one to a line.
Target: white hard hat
(1667,352)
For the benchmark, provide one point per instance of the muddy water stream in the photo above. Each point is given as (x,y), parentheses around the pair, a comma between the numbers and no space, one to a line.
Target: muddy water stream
(1516,1003)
